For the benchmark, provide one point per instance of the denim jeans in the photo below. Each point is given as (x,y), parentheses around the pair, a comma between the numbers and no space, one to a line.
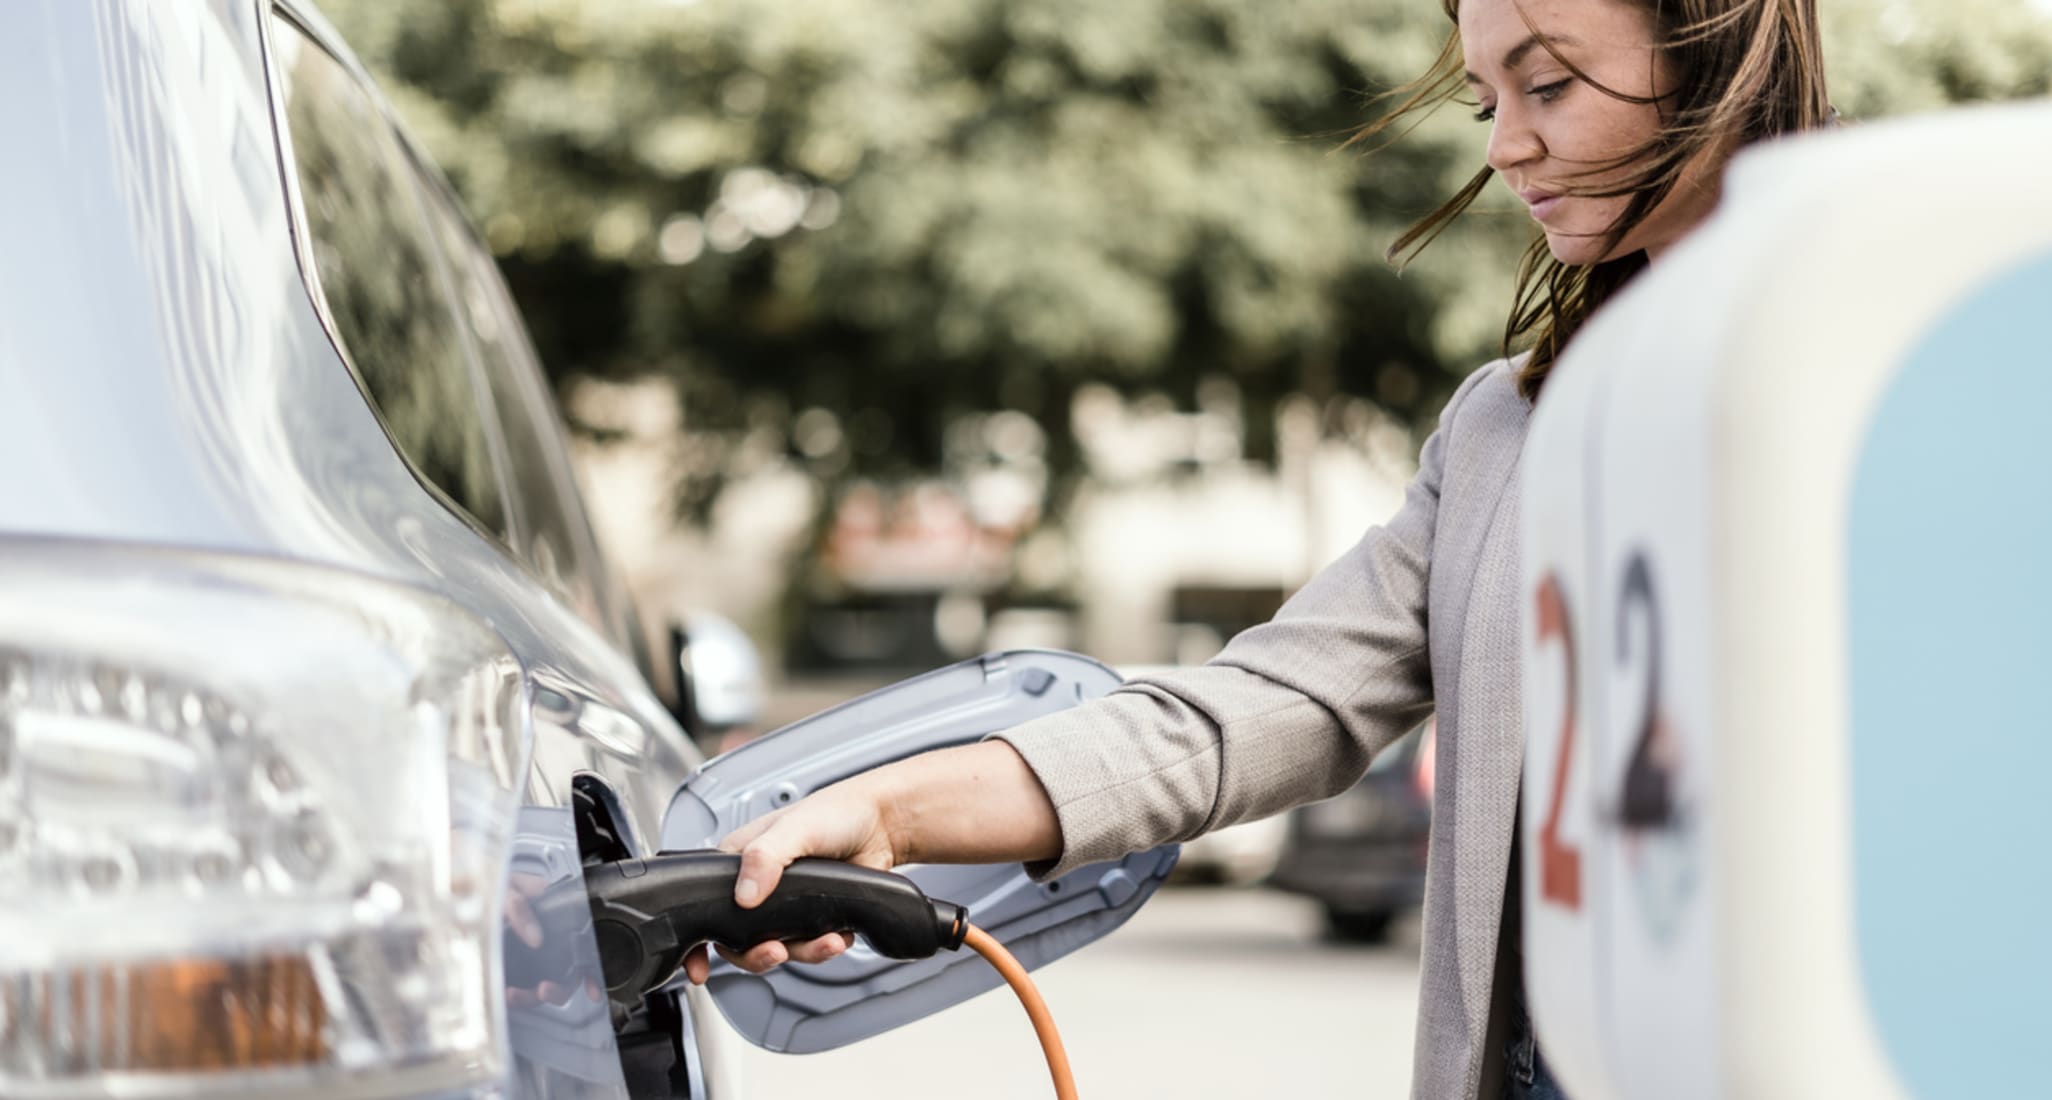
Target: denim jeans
(1526,1076)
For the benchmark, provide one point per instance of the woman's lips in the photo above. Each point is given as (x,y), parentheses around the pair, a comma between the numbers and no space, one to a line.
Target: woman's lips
(1541,203)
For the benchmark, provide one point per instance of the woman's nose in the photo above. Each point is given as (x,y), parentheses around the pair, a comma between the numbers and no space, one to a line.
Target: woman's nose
(1512,140)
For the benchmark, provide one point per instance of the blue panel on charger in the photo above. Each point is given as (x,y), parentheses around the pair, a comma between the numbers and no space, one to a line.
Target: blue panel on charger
(1949,577)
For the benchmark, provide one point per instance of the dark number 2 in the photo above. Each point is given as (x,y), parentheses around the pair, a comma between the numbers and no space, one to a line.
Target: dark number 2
(1648,801)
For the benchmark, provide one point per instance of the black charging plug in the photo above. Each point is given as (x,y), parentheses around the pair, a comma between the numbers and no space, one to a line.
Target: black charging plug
(646,913)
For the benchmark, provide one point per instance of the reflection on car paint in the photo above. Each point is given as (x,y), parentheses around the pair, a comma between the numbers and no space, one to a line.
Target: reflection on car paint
(560,1024)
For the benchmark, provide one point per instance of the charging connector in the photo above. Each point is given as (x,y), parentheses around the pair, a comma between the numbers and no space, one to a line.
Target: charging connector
(647,913)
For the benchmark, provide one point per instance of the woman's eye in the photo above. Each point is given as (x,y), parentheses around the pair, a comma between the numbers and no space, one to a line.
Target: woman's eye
(1544,93)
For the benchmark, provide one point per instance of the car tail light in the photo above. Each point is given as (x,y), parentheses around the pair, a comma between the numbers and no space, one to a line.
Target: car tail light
(1428,762)
(253,826)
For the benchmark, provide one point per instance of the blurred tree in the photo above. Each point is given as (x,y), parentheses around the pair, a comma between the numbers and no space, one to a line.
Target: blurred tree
(1888,57)
(899,213)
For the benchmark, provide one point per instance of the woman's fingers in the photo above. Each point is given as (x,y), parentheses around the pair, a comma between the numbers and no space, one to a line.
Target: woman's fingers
(821,949)
(521,919)
(764,957)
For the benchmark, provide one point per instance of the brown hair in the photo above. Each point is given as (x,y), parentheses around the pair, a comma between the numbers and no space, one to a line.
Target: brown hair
(1745,70)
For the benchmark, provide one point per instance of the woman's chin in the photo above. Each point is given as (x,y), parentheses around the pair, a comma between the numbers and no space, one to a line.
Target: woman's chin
(1574,248)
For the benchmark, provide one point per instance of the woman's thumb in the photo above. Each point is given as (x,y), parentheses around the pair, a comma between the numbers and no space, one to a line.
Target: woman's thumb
(763,859)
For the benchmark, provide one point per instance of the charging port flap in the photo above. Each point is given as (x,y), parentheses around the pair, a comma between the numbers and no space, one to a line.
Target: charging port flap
(802,1009)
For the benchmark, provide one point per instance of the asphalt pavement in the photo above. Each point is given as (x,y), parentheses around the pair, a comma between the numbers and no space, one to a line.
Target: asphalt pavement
(1207,992)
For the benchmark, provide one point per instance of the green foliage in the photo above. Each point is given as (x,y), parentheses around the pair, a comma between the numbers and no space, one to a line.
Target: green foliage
(1887,57)
(1006,201)
(903,212)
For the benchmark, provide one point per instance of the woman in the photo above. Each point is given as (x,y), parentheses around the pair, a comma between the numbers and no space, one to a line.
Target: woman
(1612,120)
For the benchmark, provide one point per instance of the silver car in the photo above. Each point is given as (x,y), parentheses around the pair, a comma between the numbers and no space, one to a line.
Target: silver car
(313,683)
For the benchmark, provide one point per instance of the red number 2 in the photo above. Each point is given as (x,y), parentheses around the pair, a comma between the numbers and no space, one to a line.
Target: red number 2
(1560,866)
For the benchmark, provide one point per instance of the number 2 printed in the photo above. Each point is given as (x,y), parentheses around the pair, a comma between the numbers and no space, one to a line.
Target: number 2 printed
(1560,866)
(1649,799)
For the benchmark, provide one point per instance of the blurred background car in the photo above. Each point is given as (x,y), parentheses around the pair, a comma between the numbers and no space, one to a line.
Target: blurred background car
(1361,854)
(720,681)
(1238,855)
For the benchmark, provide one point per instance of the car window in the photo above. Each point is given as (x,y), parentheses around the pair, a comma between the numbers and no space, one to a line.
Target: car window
(553,536)
(374,264)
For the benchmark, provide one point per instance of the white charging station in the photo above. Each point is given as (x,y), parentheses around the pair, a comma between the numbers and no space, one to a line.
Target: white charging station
(1787,513)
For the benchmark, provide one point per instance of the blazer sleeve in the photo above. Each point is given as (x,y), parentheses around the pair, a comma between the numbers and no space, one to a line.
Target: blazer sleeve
(1289,712)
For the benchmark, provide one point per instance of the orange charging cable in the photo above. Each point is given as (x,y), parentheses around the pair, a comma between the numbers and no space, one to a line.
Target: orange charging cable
(1036,1009)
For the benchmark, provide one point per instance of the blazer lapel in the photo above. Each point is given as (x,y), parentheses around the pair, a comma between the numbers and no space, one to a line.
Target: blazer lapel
(1491,745)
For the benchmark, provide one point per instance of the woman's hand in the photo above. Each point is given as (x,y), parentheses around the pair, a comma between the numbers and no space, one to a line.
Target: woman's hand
(840,822)
(972,804)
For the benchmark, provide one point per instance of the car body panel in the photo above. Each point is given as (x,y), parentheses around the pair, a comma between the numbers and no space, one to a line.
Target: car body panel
(203,403)
(173,385)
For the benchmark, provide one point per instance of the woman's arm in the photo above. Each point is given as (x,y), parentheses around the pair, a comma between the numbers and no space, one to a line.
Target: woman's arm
(1291,711)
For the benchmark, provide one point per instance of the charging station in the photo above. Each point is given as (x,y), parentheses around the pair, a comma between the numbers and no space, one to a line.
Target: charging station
(1787,510)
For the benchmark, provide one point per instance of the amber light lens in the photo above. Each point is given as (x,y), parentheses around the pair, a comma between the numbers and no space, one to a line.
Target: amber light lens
(173,1017)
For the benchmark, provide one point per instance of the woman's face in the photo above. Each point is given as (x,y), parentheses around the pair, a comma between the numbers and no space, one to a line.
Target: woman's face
(1548,128)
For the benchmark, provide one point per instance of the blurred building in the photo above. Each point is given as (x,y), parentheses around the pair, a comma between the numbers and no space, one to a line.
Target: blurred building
(1174,542)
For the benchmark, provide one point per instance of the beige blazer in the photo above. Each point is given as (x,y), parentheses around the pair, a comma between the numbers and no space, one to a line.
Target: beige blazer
(1422,612)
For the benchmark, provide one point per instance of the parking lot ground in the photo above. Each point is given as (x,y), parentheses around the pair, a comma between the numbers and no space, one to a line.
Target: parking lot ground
(1207,992)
